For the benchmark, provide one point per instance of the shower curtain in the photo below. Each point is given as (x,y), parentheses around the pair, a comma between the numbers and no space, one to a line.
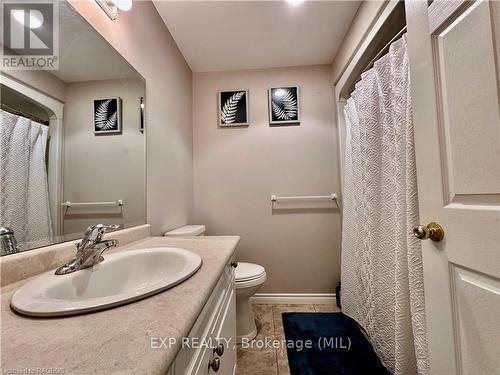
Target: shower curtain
(382,278)
(24,193)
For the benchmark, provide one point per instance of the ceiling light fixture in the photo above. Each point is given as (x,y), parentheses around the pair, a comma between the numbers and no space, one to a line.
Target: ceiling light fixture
(111,7)
(295,3)
(124,5)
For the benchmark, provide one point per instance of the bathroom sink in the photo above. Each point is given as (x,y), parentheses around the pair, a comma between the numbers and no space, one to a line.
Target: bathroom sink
(121,278)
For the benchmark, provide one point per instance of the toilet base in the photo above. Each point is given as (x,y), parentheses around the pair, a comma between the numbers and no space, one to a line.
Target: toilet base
(246,338)
(245,321)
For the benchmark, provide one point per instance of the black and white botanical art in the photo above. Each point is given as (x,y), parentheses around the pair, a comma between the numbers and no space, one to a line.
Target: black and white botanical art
(284,105)
(107,116)
(233,108)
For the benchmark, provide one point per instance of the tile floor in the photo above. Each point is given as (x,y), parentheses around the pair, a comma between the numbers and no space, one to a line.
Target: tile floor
(257,360)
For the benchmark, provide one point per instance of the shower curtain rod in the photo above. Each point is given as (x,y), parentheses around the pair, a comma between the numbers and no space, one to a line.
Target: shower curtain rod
(384,49)
(17,112)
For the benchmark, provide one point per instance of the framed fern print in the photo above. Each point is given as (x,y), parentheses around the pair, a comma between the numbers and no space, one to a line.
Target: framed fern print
(233,108)
(284,105)
(107,116)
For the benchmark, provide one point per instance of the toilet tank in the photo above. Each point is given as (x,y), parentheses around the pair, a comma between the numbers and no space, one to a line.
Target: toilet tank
(187,230)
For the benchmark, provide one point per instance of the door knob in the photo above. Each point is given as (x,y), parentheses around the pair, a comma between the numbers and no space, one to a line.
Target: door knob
(433,230)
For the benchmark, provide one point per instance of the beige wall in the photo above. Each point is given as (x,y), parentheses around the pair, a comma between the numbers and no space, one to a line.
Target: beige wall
(237,169)
(495,5)
(143,39)
(103,167)
(365,17)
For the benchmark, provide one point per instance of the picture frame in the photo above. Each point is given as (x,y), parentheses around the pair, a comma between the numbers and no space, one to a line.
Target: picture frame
(284,105)
(107,115)
(232,108)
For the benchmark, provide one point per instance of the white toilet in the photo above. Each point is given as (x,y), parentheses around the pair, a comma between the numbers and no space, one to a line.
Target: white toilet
(187,230)
(249,278)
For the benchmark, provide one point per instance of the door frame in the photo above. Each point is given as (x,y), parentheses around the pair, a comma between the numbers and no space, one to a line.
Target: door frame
(359,58)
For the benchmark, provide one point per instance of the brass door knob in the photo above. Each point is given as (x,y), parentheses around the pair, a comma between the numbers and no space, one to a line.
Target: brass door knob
(214,364)
(433,230)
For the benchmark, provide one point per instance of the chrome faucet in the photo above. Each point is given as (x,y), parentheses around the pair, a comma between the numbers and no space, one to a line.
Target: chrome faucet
(89,250)
(8,244)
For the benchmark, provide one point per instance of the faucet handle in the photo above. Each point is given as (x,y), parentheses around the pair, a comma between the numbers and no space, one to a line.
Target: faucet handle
(94,233)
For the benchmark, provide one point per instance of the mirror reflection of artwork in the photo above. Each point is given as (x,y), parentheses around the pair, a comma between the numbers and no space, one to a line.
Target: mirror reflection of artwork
(284,105)
(233,108)
(107,116)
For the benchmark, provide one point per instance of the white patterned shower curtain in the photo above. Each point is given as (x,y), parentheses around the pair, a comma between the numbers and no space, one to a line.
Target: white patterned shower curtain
(382,278)
(24,193)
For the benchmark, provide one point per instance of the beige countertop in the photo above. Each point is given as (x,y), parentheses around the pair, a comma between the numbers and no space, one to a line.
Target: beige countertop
(118,340)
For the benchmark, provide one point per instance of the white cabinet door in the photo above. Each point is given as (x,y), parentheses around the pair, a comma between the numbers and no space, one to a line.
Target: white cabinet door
(227,336)
(453,50)
(215,324)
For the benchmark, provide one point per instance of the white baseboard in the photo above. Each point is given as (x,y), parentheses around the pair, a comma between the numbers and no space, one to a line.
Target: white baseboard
(294,298)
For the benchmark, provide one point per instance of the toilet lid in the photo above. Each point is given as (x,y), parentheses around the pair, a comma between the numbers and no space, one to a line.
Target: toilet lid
(248,271)
(187,230)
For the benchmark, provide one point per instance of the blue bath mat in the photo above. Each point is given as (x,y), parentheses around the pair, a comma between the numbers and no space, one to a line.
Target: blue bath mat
(337,346)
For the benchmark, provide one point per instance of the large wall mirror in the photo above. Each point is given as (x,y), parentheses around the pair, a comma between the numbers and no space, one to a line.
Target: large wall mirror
(72,149)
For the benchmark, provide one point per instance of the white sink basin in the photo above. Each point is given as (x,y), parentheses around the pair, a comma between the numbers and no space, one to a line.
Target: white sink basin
(119,279)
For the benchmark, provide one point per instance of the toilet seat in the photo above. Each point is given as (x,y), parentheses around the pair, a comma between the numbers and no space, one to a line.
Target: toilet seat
(250,283)
(248,271)
(248,275)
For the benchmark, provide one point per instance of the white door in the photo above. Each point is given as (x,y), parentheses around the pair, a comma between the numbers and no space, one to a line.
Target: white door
(454,52)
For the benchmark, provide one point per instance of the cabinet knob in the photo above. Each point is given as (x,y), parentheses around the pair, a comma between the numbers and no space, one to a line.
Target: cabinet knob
(234,264)
(214,364)
(219,350)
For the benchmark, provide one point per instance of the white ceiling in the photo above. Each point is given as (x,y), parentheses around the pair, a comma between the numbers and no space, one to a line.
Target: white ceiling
(84,54)
(231,35)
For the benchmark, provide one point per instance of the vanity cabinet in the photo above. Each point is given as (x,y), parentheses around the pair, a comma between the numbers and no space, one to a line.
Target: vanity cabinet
(210,347)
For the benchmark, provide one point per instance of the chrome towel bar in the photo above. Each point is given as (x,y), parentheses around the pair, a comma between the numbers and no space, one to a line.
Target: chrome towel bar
(332,197)
(119,202)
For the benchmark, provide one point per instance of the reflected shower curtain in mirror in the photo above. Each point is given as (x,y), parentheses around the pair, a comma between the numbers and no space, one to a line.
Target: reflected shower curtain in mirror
(24,193)
(382,277)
